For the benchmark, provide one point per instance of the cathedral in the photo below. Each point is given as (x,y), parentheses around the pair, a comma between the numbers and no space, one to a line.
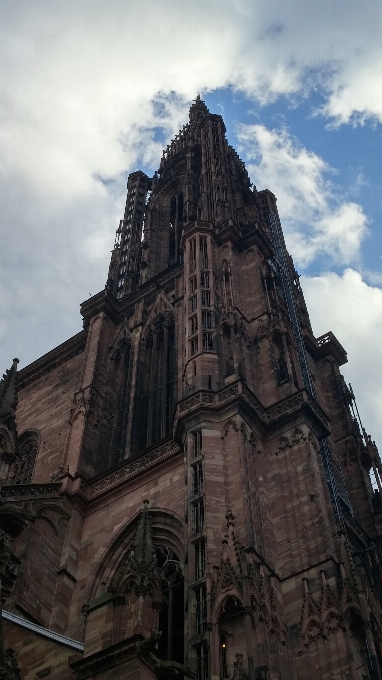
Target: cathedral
(187,490)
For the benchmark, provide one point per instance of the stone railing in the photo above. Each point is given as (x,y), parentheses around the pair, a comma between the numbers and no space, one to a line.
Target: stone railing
(237,390)
(27,490)
(130,469)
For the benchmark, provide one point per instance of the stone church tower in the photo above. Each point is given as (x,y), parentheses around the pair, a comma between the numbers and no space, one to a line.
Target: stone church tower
(192,462)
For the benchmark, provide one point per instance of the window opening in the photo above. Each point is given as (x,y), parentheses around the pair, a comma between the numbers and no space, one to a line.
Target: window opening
(223,655)
(197,478)
(197,443)
(205,280)
(227,351)
(198,511)
(171,615)
(193,303)
(192,255)
(206,319)
(171,244)
(200,559)
(194,324)
(154,408)
(203,252)
(206,299)
(201,610)
(194,346)
(122,410)
(23,467)
(208,344)
(202,662)
(193,285)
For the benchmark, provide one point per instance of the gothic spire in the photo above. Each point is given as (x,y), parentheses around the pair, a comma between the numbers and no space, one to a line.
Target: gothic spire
(143,544)
(198,110)
(8,392)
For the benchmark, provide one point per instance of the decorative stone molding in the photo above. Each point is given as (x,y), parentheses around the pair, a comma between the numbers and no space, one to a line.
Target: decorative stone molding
(268,416)
(132,468)
(17,490)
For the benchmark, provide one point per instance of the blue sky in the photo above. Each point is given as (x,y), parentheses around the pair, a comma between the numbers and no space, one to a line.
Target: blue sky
(91,91)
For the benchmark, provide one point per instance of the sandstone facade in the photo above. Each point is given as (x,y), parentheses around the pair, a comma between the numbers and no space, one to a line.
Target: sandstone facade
(192,461)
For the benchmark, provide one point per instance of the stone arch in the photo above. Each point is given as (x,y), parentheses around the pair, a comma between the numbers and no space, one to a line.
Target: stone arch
(133,585)
(166,527)
(229,629)
(229,424)
(6,445)
(47,512)
(222,602)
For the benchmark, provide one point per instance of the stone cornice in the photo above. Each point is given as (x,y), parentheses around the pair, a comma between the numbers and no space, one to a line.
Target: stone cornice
(29,491)
(45,632)
(56,356)
(278,412)
(104,301)
(105,659)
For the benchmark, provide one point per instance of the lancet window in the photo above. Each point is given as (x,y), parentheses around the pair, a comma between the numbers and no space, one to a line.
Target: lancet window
(155,400)
(171,615)
(123,360)
(176,220)
(228,350)
(23,467)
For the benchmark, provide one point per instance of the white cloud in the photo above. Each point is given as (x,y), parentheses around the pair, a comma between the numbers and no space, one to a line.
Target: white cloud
(78,84)
(316,219)
(74,76)
(352,310)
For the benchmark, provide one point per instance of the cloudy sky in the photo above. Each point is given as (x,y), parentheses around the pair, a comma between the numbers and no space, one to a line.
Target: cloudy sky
(93,89)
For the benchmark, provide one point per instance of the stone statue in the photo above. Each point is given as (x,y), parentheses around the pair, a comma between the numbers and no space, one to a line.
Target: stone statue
(146,646)
(171,669)
(163,669)
(238,669)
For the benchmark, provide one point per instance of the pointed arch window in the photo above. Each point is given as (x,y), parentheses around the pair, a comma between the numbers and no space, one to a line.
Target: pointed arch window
(228,351)
(176,220)
(27,451)
(123,368)
(171,615)
(155,401)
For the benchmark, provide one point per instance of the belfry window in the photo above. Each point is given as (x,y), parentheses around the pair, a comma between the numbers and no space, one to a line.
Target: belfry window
(155,402)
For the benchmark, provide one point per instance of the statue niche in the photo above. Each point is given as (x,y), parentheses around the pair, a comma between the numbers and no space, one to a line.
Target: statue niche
(232,638)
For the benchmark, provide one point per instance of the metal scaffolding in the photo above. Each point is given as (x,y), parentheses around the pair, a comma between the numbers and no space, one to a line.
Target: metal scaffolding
(334,477)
